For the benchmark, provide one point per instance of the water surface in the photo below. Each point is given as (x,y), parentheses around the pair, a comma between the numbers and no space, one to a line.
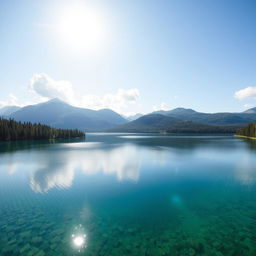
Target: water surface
(129,194)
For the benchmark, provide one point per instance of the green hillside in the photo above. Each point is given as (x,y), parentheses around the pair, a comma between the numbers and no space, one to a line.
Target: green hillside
(162,123)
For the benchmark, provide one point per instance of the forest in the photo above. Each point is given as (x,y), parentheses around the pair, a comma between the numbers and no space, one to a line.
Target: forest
(12,130)
(248,131)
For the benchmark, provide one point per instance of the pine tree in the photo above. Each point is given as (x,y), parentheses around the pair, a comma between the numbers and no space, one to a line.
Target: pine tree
(12,130)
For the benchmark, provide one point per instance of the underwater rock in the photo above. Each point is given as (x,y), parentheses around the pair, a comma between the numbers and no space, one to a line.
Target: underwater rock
(12,241)
(54,246)
(8,250)
(36,240)
(40,253)
(25,248)
(33,251)
(25,234)
(58,231)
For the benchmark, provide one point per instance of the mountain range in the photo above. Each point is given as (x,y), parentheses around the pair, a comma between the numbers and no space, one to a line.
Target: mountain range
(166,124)
(224,118)
(60,114)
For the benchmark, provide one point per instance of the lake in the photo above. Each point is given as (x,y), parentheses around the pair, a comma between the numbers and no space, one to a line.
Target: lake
(129,194)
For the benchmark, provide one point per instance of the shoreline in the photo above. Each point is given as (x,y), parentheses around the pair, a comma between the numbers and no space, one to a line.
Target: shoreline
(247,137)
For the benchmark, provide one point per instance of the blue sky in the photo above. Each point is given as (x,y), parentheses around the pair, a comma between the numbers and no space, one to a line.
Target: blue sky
(131,56)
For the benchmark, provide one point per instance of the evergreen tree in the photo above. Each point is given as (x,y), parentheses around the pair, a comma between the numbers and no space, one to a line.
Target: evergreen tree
(248,131)
(12,130)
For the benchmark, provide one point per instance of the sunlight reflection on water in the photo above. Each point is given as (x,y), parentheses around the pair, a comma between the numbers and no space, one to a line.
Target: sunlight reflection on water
(79,238)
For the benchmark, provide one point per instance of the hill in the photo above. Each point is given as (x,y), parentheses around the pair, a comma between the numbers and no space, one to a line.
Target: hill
(162,123)
(60,114)
(211,118)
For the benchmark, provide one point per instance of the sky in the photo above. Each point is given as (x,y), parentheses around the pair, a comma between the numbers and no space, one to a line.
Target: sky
(132,56)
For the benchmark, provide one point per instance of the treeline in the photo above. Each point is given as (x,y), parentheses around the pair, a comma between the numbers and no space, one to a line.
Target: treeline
(211,129)
(12,130)
(248,131)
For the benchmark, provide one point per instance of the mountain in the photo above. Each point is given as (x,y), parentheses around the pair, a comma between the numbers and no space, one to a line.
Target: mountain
(250,111)
(60,114)
(176,111)
(6,111)
(162,123)
(208,118)
(134,117)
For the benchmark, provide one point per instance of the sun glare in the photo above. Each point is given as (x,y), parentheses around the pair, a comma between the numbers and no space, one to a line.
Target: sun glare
(79,241)
(79,238)
(80,27)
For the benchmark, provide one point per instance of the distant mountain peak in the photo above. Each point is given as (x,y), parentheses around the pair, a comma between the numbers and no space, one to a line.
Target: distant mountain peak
(182,111)
(186,109)
(106,110)
(250,111)
(59,114)
(7,110)
(56,100)
(134,117)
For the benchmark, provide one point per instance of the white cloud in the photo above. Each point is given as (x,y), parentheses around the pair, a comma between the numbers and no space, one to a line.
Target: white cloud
(118,101)
(48,88)
(248,92)
(248,106)
(129,95)
(11,101)
(163,106)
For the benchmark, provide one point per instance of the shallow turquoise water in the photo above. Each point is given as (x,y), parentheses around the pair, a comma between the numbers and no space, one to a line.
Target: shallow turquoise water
(132,194)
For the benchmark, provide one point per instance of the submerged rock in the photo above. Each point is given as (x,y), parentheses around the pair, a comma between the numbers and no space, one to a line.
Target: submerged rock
(25,248)
(36,240)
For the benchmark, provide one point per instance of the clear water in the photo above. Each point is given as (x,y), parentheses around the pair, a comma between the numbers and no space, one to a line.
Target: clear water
(129,195)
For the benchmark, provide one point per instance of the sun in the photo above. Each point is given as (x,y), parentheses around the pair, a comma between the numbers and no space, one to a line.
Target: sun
(80,27)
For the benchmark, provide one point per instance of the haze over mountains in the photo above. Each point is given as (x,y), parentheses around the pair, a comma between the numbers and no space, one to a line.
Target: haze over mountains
(134,117)
(60,114)
(6,111)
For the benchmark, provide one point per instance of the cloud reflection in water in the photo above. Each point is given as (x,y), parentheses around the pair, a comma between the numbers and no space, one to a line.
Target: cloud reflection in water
(245,170)
(59,168)
(56,166)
